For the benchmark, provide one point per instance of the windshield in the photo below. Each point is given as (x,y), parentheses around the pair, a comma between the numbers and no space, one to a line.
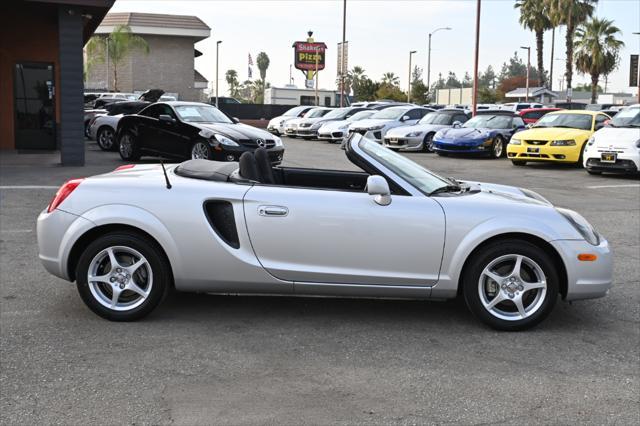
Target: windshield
(390,113)
(337,113)
(626,118)
(361,115)
(293,112)
(437,118)
(201,114)
(416,175)
(316,112)
(564,120)
(489,121)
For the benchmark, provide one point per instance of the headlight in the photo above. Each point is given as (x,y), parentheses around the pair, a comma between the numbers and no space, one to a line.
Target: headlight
(277,140)
(591,140)
(414,134)
(581,225)
(225,140)
(316,126)
(514,141)
(568,142)
(380,127)
(345,127)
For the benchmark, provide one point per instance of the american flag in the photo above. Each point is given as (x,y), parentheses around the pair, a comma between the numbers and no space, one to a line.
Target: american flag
(249,70)
(250,60)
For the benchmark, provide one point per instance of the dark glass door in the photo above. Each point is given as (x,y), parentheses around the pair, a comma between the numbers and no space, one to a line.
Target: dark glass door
(34,100)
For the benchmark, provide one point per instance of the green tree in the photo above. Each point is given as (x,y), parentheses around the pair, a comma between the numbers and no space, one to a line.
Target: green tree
(597,50)
(570,13)
(367,89)
(231,76)
(262,61)
(391,92)
(535,17)
(116,46)
(419,90)
(487,78)
(452,81)
(467,81)
(357,76)
(391,79)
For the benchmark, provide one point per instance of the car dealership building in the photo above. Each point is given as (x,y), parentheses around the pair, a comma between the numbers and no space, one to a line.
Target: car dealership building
(41,89)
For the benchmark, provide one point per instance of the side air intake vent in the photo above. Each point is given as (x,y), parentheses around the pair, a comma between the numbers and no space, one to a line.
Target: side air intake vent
(221,218)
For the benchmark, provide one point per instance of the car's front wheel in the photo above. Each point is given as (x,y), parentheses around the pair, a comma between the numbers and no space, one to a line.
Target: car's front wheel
(128,147)
(122,276)
(510,285)
(106,138)
(497,149)
(427,143)
(201,150)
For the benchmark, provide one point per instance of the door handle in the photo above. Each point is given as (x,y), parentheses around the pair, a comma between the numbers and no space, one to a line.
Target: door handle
(273,211)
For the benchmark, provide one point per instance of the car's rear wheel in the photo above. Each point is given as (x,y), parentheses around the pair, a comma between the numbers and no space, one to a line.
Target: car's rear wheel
(518,163)
(510,285)
(201,150)
(87,132)
(122,276)
(497,149)
(427,143)
(106,138)
(128,147)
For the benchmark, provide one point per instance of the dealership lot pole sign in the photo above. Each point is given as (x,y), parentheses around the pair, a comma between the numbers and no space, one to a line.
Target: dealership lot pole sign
(309,58)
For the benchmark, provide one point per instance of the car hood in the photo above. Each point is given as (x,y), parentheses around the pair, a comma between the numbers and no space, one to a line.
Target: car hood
(235,131)
(294,121)
(616,137)
(335,124)
(465,133)
(404,130)
(313,120)
(553,133)
(370,122)
(506,193)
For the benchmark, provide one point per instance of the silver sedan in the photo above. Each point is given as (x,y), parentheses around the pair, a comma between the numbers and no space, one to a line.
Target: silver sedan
(394,229)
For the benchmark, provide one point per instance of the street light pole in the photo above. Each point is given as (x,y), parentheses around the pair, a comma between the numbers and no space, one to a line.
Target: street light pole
(409,91)
(528,49)
(638,33)
(475,62)
(429,55)
(217,46)
(344,36)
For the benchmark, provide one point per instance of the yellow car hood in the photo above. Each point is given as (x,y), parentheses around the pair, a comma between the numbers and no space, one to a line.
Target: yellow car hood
(552,133)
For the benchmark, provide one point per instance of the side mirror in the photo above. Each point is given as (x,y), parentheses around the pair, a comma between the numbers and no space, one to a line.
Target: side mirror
(379,188)
(456,124)
(235,120)
(600,125)
(529,126)
(166,118)
(606,123)
(405,118)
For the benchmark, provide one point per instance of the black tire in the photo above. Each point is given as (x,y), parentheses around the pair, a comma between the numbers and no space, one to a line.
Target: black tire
(201,150)
(427,143)
(580,163)
(160,283)
(593,172)
(541,302)
(87,133)
(106,138)
(292,136)
(498,148)
(128,146)
(518,162)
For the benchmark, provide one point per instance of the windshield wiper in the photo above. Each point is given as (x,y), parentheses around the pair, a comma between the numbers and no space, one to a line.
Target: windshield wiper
(446,188)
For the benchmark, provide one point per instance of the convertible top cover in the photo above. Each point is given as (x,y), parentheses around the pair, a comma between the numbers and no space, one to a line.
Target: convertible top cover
(218,171)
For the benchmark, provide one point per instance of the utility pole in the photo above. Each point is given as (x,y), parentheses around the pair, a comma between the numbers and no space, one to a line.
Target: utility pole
(475,62)
(528,49)
(342,66)
(217,95)
(409,91)
(553,45)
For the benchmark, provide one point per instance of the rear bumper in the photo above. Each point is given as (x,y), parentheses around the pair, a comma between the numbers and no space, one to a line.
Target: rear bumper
(586,280)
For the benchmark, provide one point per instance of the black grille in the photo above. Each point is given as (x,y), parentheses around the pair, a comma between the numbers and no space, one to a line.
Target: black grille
(221,218)
(377,135)
(537,142)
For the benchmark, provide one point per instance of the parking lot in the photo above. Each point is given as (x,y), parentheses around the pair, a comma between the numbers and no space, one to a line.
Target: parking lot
(205,359)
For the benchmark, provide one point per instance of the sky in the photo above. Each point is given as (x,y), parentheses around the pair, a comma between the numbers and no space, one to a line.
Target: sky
(380,34)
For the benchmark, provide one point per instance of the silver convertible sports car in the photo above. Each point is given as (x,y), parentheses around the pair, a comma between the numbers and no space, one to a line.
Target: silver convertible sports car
(392,230)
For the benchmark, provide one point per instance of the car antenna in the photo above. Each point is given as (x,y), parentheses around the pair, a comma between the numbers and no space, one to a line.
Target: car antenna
(166,178)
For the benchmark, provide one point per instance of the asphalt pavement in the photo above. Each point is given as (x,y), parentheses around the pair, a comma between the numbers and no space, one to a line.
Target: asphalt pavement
(204,359)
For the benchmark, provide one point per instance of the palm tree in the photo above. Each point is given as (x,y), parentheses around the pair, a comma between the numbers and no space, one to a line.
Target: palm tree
(391,79)
(534,16)
(570,13)
(231,76)
(356,76)
(116,47)
(263,63)
(597,50)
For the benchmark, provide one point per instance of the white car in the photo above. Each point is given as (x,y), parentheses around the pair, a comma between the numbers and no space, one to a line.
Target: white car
(378,124)
(102,128)
(306,126)
(517,106)
(419,137)
(616,147)
(336,131)
(276,124)
(291,126)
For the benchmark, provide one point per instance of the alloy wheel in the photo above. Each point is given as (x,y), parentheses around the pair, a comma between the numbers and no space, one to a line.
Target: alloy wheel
(120,278)
(200,151)
(498,147)
(512,287)
(126,148)
(106,138)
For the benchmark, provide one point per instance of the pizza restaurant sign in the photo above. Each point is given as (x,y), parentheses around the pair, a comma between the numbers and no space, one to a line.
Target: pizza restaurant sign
(306,54)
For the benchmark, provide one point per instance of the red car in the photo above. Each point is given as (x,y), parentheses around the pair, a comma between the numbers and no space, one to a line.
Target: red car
(531,115)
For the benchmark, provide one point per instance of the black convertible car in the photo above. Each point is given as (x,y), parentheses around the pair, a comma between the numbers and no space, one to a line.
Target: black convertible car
(190,130)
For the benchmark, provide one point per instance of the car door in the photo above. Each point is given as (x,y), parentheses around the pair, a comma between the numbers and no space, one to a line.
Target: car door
(147,127)
(170,134)
(344,237)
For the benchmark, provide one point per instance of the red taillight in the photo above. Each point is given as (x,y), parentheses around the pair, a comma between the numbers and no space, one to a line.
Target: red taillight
(125,167)
(64,191)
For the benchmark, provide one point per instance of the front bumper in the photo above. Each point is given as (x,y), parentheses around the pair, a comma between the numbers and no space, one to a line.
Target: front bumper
(290,131)
(403,142)
(625,162)
(586,280)
(475,147)
(561,154)
(336,136)
(307,133)
(373,135)
(276,130)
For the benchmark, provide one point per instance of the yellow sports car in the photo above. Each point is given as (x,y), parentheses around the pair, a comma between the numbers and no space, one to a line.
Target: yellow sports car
(558,136)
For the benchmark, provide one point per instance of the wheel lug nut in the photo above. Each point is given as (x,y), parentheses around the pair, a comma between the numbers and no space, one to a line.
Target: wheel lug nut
(118,270)
(121,286)
(520,287)
(511,295)
(112,279)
